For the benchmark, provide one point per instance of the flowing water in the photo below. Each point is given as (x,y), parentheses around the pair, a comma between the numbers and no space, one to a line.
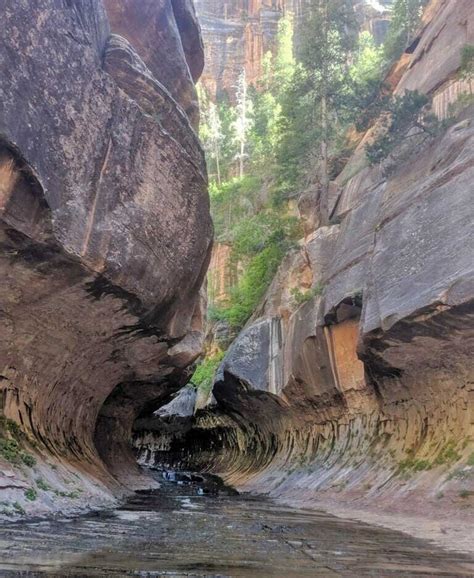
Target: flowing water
(195,528)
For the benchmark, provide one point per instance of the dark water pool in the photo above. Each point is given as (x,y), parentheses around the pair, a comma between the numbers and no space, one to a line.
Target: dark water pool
(177,532)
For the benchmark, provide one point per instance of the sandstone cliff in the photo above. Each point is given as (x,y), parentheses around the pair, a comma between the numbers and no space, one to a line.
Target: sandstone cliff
(105,237)
(238,34)
(362,395)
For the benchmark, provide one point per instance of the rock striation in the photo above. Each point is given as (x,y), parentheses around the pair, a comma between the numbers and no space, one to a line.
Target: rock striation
(105,236)
(361,397)
(237,35)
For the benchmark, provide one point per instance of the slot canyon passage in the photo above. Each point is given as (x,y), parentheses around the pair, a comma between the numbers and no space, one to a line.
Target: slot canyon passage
(287,392)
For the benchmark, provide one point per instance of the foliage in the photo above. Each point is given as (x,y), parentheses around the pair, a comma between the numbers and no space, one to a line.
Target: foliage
(467,62)
(403,113)
(300,297)
(252,285)
(42,485)
(205,372)
(447,454)
(14,429)
(243,121)
(11,451)
(289,133)
(414,465)
(328,37)
(28,459)
(232,202)
(406,17)
(217,135)
(73,495)
(19,508)
(259,235)
(212,136)
(366,96)
(31,494)
(342,69)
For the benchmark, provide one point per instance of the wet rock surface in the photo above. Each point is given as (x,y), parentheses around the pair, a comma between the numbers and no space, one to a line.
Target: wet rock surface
(176,531)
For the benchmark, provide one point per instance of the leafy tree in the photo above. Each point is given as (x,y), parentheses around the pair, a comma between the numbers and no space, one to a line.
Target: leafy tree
(406,17)
(316,101)
(243,122)
(467,62)
(284,62)
(212,137)
(366,96)
(404,112)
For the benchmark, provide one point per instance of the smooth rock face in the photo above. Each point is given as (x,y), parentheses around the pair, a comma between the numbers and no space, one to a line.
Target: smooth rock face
(362,397)
(448,28)
(105,230)
(166,35)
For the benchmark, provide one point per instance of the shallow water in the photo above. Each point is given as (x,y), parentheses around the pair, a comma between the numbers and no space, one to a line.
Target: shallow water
(176,532)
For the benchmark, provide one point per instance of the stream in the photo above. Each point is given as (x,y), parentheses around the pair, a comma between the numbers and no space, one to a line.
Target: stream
(196,527)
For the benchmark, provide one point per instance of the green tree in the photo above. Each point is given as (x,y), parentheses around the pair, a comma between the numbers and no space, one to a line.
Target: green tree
(284,62)
(403,113)
(406,17)
(366,96)
(243,121)
(212,136)
(316,97)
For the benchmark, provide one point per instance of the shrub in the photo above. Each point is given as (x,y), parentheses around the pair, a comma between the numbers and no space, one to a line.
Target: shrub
(31,494)
(448,454)
(14,429)
(300,297)
(404,112)
(19,508)
(414,465)
(204,375)
(10,450)
(28,459)
(252,285)
(42,485)
(467,61)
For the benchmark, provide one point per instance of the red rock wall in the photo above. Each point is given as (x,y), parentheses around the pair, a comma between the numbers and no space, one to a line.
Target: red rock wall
(237,35)
(105,235)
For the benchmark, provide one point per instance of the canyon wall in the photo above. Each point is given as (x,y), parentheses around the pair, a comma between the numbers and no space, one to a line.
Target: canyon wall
(361,395)
(238,33)
(105,238)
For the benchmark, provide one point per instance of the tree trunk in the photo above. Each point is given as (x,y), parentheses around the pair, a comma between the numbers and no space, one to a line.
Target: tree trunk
(241,159)
(218,166)
(324,190)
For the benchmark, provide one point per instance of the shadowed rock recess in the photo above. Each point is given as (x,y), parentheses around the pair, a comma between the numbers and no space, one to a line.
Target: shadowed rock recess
(361,397)
(105,238)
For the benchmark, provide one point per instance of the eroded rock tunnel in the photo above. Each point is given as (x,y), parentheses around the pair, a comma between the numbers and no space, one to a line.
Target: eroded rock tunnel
(105,236)
(362,431)
(362,394)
